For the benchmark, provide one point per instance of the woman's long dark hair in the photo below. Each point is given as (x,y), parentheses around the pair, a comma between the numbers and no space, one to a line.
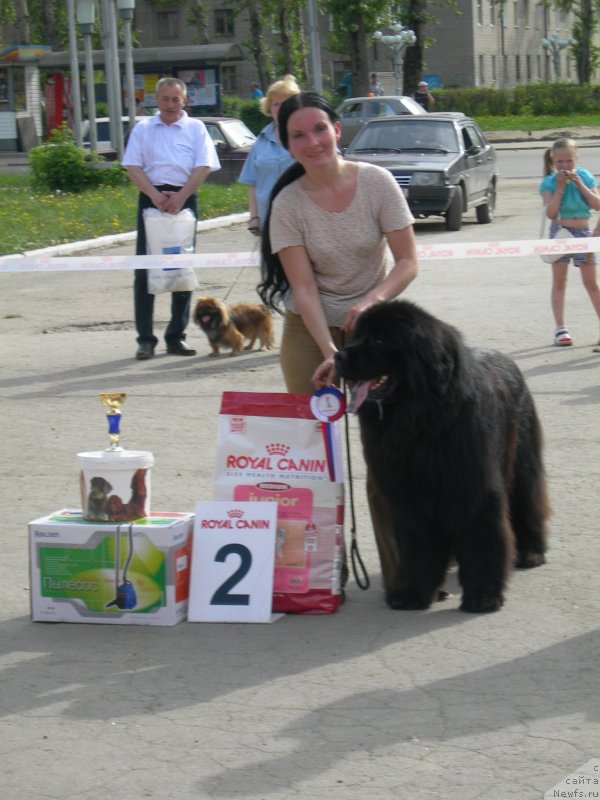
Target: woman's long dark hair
(274,284)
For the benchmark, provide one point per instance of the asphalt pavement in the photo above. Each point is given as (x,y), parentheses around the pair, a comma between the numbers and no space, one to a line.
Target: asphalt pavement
(435,705)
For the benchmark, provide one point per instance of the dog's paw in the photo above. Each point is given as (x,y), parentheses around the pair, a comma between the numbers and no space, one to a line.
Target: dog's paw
(529,560)
(481,603)
(405,601)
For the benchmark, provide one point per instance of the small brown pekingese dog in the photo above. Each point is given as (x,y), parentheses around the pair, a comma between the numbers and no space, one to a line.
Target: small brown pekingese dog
(229,326)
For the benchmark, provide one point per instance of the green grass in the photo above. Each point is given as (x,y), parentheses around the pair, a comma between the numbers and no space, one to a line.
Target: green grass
(32,219)
(530,123)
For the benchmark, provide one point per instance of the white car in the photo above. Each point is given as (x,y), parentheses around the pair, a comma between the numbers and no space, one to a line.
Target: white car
(104,146)
(357,111)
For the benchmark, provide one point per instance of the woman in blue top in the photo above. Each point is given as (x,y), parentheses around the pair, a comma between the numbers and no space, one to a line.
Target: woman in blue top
(569,194)
(268,158)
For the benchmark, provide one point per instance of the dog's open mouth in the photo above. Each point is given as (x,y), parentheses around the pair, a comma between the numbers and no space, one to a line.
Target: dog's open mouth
(363,389)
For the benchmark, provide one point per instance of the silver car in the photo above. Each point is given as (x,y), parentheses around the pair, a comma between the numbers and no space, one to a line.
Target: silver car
(357,111)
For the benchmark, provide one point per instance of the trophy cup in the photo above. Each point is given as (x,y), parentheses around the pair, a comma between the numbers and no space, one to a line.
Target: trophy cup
(113,401)
(114,483)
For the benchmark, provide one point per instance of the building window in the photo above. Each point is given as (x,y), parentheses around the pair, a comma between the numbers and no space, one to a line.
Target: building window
(516,14)
(517,68)
(538,17)
(494,76)
(229,80)
(224,22)
(539,67)
(481,71)
(528,67)
(480,12)
(167,24)
(526,13)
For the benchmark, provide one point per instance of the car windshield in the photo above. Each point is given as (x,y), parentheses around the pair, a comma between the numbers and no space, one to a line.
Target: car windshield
(408,135)
(237,133)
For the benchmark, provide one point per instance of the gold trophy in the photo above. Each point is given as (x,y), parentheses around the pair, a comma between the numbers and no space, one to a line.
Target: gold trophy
(113,401)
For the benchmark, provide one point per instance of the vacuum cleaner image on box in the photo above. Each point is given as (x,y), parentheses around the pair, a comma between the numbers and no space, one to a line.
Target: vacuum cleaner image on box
(125,598)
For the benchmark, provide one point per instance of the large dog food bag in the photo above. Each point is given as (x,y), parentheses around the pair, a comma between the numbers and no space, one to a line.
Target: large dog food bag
(271,448)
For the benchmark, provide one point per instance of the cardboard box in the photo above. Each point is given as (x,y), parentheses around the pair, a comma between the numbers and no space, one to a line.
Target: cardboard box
(76,577)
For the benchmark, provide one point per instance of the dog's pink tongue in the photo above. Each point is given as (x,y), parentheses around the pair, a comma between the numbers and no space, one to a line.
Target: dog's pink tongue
(360,390)
(205,318)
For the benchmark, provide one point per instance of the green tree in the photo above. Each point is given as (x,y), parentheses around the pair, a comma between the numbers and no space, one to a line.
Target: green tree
(35,22)
(416,16)
(277,42)
(198,15)
(586,53)
(354,22)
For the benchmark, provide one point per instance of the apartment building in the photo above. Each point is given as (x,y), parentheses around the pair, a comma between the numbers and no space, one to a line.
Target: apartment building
(499,44)
(492,44)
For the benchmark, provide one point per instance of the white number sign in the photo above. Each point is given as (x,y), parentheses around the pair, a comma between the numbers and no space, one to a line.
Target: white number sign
(233,557)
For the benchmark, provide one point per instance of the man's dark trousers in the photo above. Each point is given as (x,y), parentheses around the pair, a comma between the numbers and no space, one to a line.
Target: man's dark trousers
(143,300)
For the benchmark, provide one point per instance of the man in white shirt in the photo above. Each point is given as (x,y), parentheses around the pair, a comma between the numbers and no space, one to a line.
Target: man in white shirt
(168,157)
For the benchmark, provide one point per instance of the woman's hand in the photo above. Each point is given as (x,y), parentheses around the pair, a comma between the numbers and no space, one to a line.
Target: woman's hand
(254,226)
(354,313)
(325,374)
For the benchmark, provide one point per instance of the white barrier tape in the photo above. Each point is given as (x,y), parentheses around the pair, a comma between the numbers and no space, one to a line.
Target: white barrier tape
(86,263)
(425,252)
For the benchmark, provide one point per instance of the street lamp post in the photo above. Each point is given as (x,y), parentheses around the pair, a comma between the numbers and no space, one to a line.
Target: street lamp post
(126,9)
(397,43)
(554,45)
(315,48)
(111,71)
(86,12)
(75,88)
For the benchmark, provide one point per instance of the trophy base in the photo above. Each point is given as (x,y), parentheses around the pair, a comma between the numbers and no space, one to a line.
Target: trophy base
(115,485)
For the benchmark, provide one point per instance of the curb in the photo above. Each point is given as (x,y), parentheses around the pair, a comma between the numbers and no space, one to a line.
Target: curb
(69,248)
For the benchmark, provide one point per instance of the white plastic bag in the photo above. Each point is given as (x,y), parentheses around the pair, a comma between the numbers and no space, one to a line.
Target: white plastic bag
(561,233)
(170,234)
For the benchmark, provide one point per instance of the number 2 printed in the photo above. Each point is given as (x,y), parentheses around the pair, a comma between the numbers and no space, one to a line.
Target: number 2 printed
(222,596)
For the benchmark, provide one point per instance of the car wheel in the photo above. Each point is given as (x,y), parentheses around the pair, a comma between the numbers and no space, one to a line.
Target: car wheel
(454,213)
(485,213)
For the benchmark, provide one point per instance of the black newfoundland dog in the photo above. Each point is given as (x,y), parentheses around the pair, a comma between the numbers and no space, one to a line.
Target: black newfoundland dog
(453,442)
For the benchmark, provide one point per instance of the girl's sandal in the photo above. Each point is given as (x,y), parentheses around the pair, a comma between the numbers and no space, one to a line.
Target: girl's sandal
(562,338)
(596,349)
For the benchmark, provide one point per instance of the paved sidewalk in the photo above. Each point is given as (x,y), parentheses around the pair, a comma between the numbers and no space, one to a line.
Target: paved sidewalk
(435,705)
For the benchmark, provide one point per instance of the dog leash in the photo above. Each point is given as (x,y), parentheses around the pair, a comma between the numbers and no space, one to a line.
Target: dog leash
(235,280)
(362,580)
(233,283)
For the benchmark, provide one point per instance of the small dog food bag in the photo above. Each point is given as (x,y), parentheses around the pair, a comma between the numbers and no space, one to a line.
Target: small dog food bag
(271,448)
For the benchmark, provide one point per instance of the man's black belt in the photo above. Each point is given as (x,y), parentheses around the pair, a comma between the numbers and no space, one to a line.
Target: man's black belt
(166,187)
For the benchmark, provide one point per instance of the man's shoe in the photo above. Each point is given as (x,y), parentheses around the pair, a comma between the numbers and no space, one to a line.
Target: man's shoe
(144,351)
(180,348)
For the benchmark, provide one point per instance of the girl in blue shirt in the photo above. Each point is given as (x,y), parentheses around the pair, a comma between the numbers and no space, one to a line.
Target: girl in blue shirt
(569,195)
(268,158)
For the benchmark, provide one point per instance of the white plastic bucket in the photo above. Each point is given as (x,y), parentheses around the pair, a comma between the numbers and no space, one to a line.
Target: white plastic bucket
(115,486)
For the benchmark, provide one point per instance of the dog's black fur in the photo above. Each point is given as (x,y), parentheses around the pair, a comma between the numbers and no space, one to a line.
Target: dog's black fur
(453,442)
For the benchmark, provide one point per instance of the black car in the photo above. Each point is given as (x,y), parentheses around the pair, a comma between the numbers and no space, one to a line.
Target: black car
(443,163)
